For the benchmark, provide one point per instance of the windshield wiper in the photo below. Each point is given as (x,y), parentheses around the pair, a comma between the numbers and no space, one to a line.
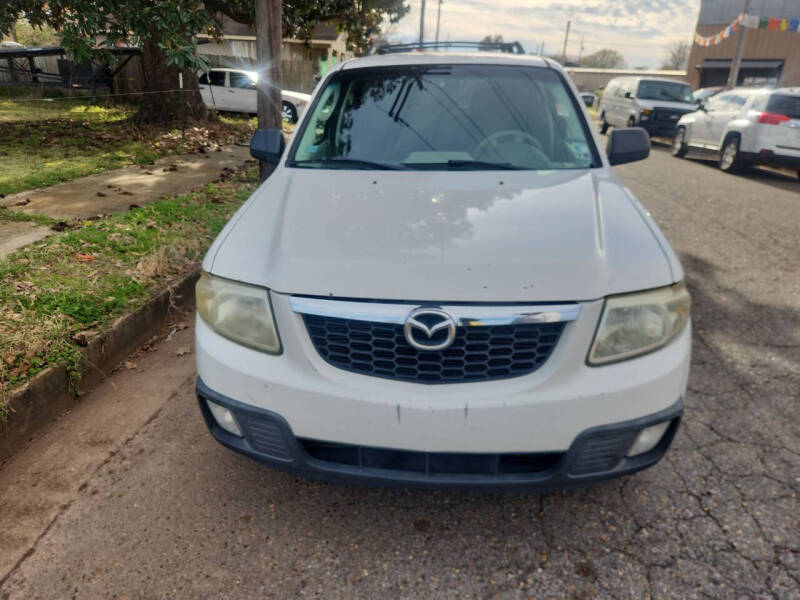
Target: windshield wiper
(352,162)
(481,164)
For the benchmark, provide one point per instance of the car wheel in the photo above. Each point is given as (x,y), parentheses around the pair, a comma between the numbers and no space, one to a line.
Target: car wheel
(729,159)
(631,122)
(288,112)
(603,124)
(679,143)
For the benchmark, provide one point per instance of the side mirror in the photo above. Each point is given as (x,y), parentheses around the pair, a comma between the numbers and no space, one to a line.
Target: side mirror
(628,95)
(701,106)
(628,145)
(267,145)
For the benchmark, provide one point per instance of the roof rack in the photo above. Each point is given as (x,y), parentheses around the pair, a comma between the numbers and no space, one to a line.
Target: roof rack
(507,47)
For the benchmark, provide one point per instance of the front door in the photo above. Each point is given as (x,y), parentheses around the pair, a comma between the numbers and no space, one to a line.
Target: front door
(242,91)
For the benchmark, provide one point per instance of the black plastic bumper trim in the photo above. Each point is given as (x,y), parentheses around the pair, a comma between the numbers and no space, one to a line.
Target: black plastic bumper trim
(281,450)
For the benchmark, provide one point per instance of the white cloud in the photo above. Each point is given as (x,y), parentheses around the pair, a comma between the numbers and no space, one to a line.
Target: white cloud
(640,29)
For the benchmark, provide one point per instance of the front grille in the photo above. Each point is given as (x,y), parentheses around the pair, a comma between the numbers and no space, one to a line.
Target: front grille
(667,115)
(430,463)
(478,353)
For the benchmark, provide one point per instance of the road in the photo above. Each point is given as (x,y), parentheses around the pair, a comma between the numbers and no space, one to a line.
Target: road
(162,511)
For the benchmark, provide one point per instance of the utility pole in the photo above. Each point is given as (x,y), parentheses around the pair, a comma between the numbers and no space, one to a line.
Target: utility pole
(438,20)
(736,63)
(541,49)
(268,55)
(566,38)
(580,54)
(421,24)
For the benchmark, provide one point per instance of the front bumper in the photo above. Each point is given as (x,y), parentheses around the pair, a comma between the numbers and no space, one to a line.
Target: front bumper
(596,454)
(659,128)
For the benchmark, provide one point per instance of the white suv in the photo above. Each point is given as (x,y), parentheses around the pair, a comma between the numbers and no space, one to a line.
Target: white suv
(443,283)
(744,127)
(234,90)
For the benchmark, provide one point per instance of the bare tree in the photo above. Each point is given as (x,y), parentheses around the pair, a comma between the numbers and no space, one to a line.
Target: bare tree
(677,56)
(604,59)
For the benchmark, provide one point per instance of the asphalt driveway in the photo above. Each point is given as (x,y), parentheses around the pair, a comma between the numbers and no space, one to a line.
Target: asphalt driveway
(171,514)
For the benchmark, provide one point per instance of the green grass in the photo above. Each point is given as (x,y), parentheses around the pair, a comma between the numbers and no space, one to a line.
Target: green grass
(83,279)
(44,142)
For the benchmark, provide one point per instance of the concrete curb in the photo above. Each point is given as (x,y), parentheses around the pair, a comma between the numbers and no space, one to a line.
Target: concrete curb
(45,397)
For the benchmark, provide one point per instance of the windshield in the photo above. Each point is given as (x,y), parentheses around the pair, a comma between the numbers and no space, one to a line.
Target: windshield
(445,117)
(673,91)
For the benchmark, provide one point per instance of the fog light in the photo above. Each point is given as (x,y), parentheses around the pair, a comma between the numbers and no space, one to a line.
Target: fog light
(224,418)
(648,438)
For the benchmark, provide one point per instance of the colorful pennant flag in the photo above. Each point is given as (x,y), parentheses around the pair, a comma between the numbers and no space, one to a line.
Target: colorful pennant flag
(751,22)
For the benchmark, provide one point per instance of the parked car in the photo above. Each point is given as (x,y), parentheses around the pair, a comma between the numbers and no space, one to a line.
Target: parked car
(744,127)
(235,90)
(702,95)
(443,283)
(654,104)
(589,98)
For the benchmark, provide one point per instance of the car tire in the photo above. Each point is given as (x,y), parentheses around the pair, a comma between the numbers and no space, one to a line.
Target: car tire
(631,122)
(603,124)
(288,112)
(679,143)
(729,158)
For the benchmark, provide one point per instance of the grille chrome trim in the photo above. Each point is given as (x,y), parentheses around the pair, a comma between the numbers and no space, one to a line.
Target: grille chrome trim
(465,315)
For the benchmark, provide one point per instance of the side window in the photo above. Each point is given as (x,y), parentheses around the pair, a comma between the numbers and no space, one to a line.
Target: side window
(720,102)
(242,80)
(738,101)
(217,78)
(203,79)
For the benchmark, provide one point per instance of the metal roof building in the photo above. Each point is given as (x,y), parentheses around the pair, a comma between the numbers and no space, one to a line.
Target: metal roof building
(770,56)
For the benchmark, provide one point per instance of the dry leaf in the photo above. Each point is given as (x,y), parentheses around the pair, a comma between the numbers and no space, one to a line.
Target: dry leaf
(80,257)
(183,351)
(130,364)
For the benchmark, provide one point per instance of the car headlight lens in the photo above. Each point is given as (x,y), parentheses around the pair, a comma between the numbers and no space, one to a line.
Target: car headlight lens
(634,324)
(239,312)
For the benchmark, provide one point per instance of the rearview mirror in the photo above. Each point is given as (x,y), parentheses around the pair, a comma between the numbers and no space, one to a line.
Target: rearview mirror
(268,145)
(628,145)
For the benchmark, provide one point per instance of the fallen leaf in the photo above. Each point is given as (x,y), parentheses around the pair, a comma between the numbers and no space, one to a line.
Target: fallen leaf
(8,359)
(80,257)
(183,350)
(130,364)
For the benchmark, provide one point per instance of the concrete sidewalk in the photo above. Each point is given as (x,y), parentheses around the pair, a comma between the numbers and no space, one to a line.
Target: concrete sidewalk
(114,191)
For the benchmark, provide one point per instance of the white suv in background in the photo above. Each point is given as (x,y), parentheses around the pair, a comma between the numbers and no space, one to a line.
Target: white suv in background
(651,103)
(745,127)
(234,90)
(443,283)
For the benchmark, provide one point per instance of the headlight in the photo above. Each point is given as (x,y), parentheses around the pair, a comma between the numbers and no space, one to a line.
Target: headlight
(239,312)
(634,324)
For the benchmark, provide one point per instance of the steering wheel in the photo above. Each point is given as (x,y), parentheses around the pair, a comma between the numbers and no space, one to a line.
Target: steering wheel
(508,137)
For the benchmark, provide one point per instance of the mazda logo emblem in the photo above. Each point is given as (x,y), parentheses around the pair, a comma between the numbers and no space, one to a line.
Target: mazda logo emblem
(430,329)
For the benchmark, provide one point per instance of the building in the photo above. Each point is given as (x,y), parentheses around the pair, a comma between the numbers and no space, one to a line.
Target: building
(769,57)
(301,60)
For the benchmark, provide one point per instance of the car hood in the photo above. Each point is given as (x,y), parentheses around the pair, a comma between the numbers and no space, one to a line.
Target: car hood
(444,236)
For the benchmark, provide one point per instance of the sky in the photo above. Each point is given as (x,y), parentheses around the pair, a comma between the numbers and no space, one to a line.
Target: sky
(640,29)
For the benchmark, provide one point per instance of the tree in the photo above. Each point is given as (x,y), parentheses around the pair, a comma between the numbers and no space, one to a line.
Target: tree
(677,56)
(166,31)
(488,41)
(604,59)
(24,33)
